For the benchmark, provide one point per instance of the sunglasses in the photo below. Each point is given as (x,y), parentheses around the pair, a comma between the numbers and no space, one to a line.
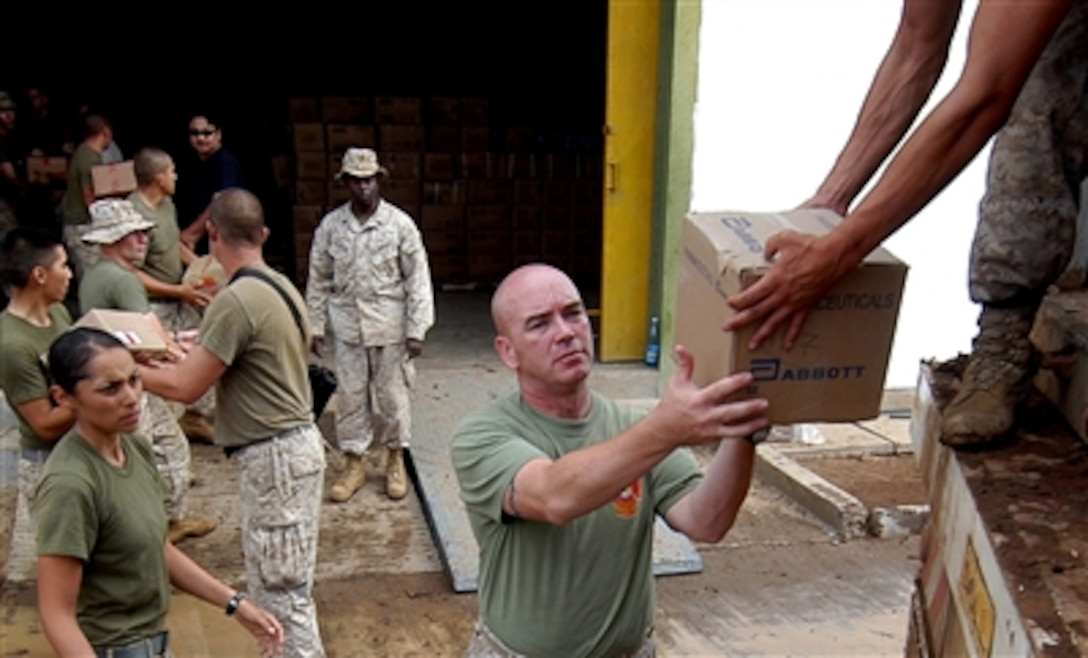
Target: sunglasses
(207,132)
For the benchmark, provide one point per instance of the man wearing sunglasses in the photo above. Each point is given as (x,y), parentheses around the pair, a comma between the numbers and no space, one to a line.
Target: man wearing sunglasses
(215,168)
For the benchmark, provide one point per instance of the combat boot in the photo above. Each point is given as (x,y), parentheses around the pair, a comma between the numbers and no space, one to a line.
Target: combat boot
(997,377)
(351,481)
(197,428)
(190,526)
(396,476)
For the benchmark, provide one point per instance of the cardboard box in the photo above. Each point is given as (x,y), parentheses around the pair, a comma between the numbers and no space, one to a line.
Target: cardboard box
(342,137)
(401,138)
(475,139)
(310,192)
(132,329)
(308,137)
(438,166)
(402,164)
(305,219)
(835,371)
(312,166)
(443,110)
(113,179)
(478,165)
(398,109)
(444,192)
(338,194)
(488,218)
(43,170)
(442,219)
(402,192)
(441,138)
(302,110)
(475,111)
(518,166)
(345,109)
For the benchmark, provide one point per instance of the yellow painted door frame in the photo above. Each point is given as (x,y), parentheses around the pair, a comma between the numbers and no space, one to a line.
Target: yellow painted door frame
(634,37)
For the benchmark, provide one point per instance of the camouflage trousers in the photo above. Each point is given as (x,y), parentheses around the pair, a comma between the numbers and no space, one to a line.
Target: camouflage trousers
(1028,216)
(176,315)
(23,557)
(159,423)
(80,254)
(485,644)
(281,482)
(372,397)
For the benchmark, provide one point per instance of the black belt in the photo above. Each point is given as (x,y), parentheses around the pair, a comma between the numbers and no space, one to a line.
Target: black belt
(152,647)
(230,450)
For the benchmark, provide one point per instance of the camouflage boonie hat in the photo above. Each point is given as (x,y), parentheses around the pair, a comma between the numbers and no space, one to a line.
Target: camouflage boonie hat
(360,163)
(5,102)
(112,220)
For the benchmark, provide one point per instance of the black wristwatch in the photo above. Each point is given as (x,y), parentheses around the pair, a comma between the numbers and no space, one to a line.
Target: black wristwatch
(758,437)
(234,602)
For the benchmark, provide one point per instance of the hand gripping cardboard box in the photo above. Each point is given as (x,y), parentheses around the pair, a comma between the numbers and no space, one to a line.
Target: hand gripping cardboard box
(835,370)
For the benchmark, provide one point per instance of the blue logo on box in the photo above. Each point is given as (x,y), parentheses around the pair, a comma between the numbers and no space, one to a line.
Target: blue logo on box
(770,370)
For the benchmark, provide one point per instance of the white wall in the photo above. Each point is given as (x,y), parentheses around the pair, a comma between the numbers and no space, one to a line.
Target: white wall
(780,85)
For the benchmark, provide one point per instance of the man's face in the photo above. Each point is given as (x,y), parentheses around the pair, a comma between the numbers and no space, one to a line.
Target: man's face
(133,247)
(363,190)
(547,337)
(38,100)
(168,180)
(205,138)
(56,275)
(7,119)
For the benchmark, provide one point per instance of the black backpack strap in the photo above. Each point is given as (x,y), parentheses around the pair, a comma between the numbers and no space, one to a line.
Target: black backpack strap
(257,274)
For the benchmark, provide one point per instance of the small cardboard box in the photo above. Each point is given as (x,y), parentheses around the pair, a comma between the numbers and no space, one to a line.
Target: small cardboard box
(342,137)
(113,179)
(129,327)
(835,371)
(308,137)
(43,170)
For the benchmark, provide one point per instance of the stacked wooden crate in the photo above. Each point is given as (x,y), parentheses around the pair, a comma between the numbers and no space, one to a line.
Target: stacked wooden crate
(487,195)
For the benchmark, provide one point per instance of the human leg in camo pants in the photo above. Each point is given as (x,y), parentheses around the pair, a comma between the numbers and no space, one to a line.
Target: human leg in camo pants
(372,403)
(1026,232)
(177,316)
(23,557)
(159,424)
(281,482)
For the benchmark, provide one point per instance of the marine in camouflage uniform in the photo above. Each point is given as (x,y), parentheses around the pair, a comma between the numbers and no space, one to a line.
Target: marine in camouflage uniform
(121,233)
(1026,231)
(251,348)
(370,284)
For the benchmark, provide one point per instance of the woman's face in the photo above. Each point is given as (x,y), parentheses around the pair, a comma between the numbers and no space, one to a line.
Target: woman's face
(108,398)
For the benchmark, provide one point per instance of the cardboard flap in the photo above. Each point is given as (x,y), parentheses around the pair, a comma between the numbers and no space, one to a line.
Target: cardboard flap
(129,327)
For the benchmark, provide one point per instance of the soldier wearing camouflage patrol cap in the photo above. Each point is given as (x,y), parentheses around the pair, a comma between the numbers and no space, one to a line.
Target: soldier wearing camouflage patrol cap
(370,284)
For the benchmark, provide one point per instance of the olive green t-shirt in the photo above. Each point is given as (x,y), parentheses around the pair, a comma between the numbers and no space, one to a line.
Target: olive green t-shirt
(113,519)
(22,370)
(582,589)
(73,208)
(266,388)
(108,285)
(163,259)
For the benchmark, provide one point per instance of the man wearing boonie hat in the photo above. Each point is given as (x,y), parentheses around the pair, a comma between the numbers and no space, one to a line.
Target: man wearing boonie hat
(121,233)
(370,285)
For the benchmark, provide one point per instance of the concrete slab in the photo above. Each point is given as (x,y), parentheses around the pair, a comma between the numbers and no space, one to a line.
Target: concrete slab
(841,511)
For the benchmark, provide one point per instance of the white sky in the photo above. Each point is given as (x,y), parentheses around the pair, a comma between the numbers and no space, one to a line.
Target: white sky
(780,85)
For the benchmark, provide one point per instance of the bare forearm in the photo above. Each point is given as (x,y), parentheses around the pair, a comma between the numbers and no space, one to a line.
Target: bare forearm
(191,578)
(155,287)
(708,512)
(65,635)
(902,85)
(584,480)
